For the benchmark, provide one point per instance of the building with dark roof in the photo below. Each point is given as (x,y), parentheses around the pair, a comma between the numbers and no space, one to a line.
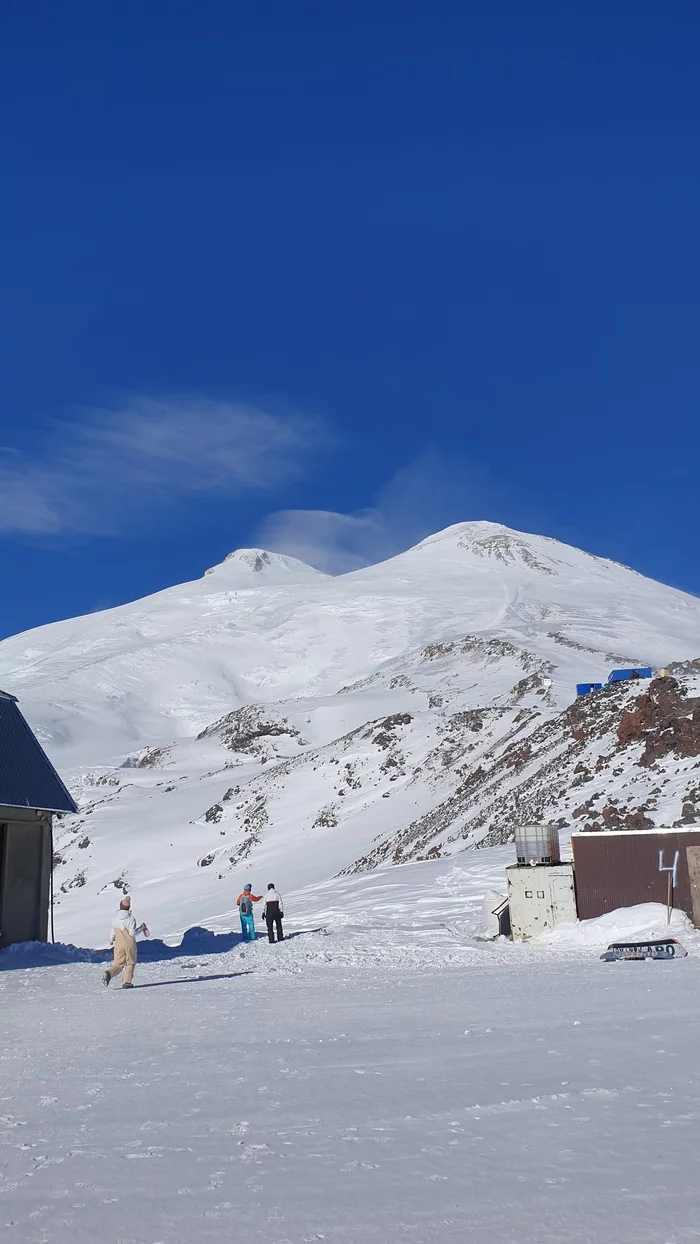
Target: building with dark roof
(31,792)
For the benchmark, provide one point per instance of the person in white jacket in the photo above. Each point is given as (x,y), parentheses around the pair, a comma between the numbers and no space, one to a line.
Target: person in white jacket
(123,939)
(273,912)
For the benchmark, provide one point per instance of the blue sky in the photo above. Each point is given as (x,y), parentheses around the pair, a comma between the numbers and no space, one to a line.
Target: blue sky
(328,276)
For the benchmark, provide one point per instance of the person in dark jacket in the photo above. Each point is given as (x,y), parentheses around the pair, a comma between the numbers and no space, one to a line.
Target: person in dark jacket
(273,912)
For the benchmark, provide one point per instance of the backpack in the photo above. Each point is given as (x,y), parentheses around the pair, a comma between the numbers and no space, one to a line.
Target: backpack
(246,907)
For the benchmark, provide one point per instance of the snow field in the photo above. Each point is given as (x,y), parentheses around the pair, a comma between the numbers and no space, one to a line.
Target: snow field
(381,1075)
(292,1093)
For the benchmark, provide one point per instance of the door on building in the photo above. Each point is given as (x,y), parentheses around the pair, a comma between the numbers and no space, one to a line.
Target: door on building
(21,847)
(693,859)
(561,893)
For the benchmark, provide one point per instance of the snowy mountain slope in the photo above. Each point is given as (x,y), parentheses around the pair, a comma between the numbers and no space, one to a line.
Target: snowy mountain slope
(260,630)
(268,717)
(160,668)
(626,757)
(397,789)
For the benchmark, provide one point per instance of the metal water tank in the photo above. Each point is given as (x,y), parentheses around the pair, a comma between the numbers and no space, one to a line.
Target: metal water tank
(537,844)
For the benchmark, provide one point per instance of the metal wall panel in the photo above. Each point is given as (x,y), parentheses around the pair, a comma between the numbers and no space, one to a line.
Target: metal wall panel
(622,869)
(27,777)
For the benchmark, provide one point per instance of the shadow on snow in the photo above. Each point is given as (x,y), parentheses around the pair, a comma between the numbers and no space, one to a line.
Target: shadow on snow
(195,941)
(190,980)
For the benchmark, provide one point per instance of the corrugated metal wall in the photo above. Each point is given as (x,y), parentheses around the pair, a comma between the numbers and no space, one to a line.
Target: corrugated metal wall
(622,869)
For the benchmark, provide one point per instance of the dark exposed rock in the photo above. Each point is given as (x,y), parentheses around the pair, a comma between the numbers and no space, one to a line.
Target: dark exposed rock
(471,719)
(518,755)
(75,883)
(489,650)
(383,736)
(637,820)
(538,683)
(474,779)
(326,817)
(247,729)
(583,775)
(149,758)
(690,815)
(509,549)
(611,817)
(665,720)
(584,809)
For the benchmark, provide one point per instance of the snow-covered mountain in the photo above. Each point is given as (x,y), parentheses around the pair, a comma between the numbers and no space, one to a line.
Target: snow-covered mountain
(273,720)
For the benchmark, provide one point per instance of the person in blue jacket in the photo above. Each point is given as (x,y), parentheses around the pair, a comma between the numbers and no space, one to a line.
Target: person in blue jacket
(244,902)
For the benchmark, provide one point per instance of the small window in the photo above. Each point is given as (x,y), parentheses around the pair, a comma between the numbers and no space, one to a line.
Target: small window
(540,893)
(528,894)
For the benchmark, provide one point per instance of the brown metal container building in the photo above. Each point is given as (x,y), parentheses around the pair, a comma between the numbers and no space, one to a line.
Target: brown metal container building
(621,868)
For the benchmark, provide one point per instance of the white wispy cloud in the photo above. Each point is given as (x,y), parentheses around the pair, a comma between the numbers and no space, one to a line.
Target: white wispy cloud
(335,543)
(430,493)
(96,471)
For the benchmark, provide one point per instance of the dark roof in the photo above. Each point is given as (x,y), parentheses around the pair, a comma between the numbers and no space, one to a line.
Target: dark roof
(27,777)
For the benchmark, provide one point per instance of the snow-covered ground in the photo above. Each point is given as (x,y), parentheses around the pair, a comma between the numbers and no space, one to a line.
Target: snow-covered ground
(382,1075)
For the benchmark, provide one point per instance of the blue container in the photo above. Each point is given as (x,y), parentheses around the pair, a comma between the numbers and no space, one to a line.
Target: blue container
(639,671)
(584,688)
